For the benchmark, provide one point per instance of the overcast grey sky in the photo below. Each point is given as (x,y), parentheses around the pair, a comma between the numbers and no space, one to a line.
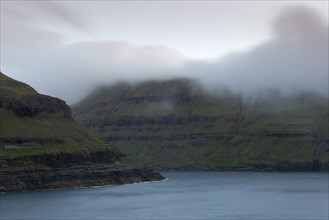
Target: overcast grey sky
(66,48)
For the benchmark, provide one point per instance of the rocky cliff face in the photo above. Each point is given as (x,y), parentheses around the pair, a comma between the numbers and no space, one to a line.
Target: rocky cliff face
(42,147)
(33,105)
(66,170)
(175,124)
(24,101)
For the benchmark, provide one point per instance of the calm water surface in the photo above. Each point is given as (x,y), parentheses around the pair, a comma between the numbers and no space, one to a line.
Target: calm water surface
(184,195)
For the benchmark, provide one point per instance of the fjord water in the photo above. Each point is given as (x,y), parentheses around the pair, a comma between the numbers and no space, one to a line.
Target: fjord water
(184,195)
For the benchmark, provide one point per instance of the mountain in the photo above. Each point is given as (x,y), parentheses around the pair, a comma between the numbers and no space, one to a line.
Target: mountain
(41,146)
(176,124)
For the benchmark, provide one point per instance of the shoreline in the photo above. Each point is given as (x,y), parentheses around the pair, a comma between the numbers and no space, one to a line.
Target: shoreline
(30,180)
(248,169)
(83,187)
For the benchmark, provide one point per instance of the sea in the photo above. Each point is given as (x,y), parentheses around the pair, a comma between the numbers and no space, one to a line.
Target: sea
(182,195)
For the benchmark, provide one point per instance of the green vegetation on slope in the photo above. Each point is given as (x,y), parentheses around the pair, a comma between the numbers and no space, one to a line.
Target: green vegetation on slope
(32,124)
(28,117)
(175,124)
(42,147)
(14,88)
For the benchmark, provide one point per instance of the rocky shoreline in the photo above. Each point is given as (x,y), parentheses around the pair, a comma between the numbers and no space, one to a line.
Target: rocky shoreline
(72,178)
(279,167)
(78,170)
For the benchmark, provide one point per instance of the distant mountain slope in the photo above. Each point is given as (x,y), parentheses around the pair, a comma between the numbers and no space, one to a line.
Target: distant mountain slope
(41,146)
(175,124)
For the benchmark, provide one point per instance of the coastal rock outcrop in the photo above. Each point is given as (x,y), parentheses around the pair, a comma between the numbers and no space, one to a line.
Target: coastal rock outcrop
(67,170)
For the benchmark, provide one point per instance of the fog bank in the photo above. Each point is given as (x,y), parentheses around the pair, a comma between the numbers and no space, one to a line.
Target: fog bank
(295,58)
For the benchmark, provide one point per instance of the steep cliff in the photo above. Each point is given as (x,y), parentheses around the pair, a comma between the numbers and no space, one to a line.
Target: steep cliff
(41,146)
(176,124)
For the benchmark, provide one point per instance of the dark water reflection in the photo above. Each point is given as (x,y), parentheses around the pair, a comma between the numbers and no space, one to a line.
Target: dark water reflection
(184,195)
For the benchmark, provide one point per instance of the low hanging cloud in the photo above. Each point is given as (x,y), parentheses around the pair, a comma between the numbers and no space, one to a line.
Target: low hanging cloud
(295,58)
(79,68)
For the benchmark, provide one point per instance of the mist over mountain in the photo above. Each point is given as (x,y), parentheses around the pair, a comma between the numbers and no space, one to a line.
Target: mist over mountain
(177,124)
(293,59)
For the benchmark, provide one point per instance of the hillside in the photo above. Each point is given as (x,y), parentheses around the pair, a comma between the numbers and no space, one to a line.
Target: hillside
(176,124)
(27,116)
(41,146)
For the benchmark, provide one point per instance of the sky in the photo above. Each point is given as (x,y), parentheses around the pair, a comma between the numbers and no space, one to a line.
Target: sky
(67,48)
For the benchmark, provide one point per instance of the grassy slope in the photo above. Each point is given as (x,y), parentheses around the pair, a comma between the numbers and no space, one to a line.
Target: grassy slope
(15,88)
(264,130)
(44,126)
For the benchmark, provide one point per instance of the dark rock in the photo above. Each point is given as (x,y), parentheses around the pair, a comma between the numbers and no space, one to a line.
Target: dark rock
(33,105)
(67,170)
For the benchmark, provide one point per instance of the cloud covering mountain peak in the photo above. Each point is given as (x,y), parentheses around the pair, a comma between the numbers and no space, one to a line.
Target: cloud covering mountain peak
(295,58)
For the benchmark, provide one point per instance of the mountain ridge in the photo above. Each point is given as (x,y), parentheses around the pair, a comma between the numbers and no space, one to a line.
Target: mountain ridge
(175,124)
